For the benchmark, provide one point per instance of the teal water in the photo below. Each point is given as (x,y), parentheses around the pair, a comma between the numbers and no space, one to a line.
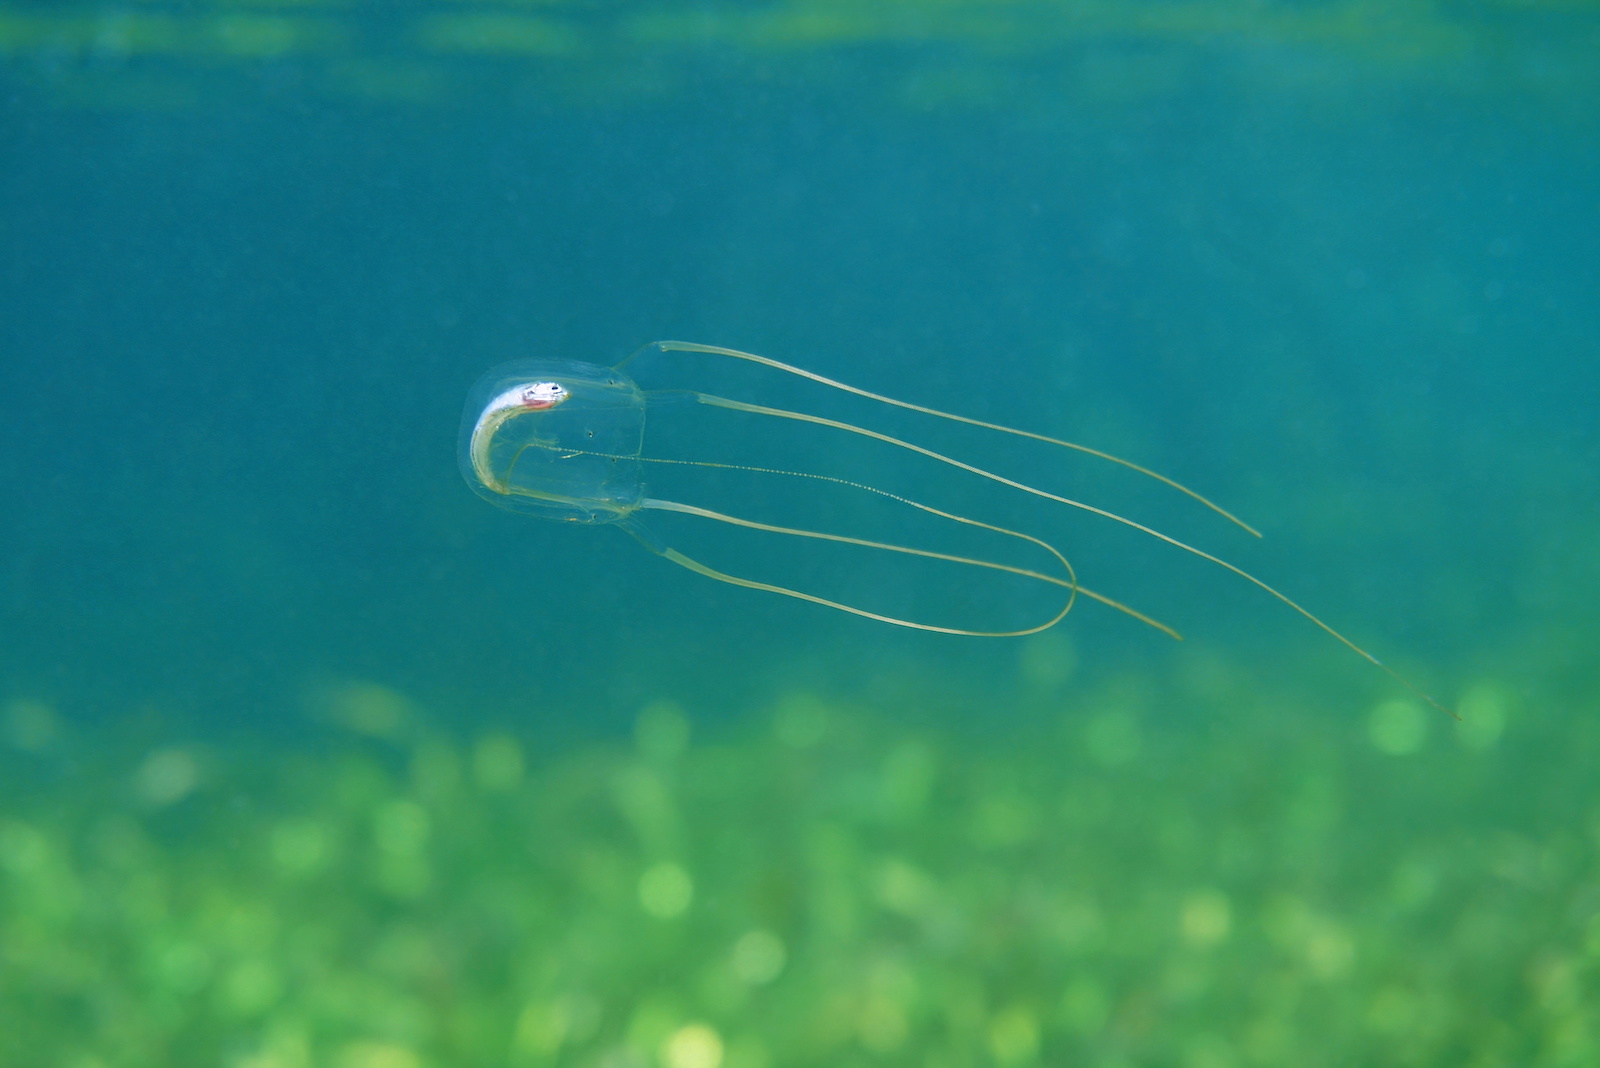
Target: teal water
(312,757)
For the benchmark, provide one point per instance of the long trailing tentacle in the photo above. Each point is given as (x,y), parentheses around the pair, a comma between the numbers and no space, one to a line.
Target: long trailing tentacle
(649,541)
(1070,582)
(758,409)
(778,365)
(721,576)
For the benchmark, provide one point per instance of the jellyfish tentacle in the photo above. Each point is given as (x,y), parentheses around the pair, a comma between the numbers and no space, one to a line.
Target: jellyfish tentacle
(1109,602)
(779,365)
(806,417)
(651,541)
(656,546)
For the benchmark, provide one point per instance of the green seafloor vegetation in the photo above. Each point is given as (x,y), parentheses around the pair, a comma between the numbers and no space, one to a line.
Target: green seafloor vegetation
(822,885)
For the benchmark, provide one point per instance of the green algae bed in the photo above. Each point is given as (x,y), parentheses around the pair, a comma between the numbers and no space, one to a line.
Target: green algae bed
(817,885)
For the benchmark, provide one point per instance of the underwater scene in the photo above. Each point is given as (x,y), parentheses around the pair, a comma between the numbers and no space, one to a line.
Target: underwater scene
(761,533)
